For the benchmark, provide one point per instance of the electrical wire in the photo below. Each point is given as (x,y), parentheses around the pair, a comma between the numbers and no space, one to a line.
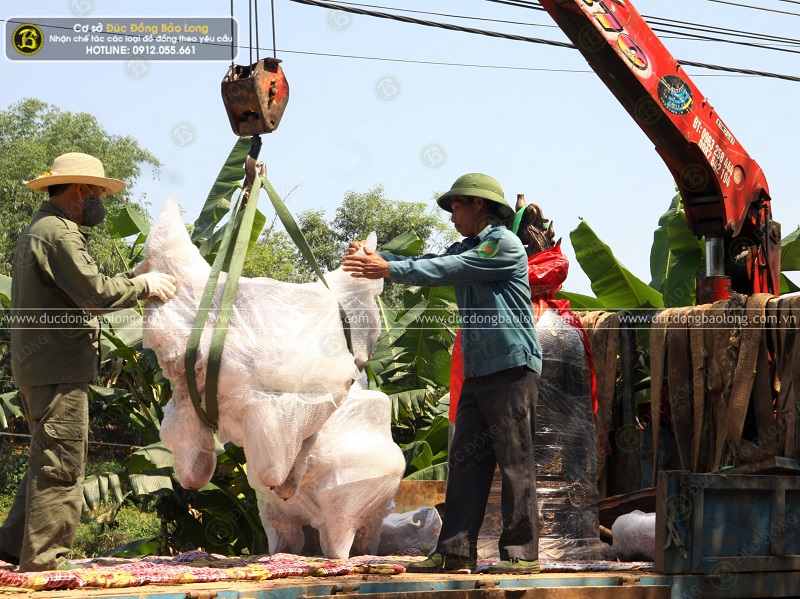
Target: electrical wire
(706,29)
(440,14)
(670,23)
(649,18)
(497,34)
(731,70)
(783,12)
(695,36)
(720,30)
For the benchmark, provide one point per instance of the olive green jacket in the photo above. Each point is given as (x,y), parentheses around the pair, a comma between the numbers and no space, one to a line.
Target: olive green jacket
(56,292)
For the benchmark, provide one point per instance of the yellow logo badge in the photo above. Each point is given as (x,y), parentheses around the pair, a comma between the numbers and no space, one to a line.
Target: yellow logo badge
(27,39)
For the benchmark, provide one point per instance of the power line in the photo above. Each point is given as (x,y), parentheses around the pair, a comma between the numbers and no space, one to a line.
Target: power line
(651,19)
(720,30)
(497,34)
(431,62)
(696,36)
(783,12)
(439,14)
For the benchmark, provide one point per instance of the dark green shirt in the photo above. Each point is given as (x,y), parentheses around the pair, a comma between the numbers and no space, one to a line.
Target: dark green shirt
(56,292)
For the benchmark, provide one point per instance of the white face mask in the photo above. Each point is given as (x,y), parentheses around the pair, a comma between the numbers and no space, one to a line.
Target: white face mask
(94,211)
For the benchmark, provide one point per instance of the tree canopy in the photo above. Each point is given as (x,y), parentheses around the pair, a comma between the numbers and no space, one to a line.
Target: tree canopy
(32,134)
(360,213)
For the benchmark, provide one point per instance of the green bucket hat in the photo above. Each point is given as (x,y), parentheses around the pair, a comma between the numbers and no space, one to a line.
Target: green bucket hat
(477,185)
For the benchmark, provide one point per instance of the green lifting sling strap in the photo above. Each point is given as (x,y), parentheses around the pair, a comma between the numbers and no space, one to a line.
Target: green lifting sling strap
(230,258)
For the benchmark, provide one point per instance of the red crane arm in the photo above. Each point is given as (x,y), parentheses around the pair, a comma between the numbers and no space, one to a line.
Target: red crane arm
(724,191)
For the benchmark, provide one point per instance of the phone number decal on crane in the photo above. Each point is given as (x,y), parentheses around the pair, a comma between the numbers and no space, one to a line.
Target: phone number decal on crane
(120,38)
(715,155)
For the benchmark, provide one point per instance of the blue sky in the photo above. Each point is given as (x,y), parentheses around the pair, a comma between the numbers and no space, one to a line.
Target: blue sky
(549,129)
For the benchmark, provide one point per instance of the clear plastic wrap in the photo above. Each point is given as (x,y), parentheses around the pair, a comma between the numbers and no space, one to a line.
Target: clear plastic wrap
(635,536)
(410,532)
(565,447)
(285,367)
(344,482)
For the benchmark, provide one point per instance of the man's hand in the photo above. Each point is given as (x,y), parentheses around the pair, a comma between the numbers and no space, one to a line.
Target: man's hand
(367,266)
(159,285)
(354,246)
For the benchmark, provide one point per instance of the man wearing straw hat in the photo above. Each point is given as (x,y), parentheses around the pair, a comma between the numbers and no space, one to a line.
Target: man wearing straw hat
(56,291)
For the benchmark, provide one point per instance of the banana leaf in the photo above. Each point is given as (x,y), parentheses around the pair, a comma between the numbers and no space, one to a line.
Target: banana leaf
(409,404)
(407,244)
(138,548)
(613,284)
(437,472)
(102,488)
(418,456)
(127,222)
(787,286)
(123,327)
(10,407)
(790,251)
(218,202)
(5,290)
(659,251)
(578,301)
(685,260)
(151,483)
(153,457)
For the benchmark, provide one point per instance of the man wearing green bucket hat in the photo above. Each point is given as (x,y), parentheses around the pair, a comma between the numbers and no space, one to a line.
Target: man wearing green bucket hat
(502,362)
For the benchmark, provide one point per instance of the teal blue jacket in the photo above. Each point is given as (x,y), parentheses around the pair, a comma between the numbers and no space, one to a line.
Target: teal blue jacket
(490,276)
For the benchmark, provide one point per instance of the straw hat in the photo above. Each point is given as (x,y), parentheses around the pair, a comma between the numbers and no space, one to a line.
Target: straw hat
(75,167)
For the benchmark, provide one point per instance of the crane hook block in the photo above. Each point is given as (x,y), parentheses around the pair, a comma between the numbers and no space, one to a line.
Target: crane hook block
(255,96)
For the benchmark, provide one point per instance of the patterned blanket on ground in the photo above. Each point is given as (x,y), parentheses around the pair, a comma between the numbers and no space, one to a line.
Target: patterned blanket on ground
(199,566)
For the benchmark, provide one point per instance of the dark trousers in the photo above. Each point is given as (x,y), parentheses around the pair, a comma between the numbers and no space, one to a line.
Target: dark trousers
(493,427)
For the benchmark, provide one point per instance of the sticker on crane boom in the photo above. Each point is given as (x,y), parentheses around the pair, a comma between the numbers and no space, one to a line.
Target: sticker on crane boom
(717,160)
(675,94)
(611,19)
(725,132)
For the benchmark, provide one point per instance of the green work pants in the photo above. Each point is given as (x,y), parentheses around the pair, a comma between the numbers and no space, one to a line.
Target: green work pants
(40,527)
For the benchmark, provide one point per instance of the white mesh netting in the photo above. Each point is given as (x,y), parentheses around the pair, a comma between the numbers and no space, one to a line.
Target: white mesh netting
(285,369)
(348,477)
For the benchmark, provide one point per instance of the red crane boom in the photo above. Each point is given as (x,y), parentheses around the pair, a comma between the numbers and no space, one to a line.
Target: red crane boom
(724,191)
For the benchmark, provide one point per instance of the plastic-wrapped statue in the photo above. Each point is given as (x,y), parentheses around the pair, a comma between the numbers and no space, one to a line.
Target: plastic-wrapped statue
(285,367)
(346,482)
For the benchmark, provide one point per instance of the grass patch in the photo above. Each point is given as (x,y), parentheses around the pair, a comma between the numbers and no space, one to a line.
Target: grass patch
(103,529)
(99,530)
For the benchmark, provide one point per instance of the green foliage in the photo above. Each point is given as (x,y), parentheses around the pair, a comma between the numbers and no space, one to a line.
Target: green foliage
(614,285)
(790,260)
(411,364)
(274,257)
(32,134)
(676,257)
(790,251)
(219,202)
(102,529)
(360,213)
(13,462)
(429,446)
